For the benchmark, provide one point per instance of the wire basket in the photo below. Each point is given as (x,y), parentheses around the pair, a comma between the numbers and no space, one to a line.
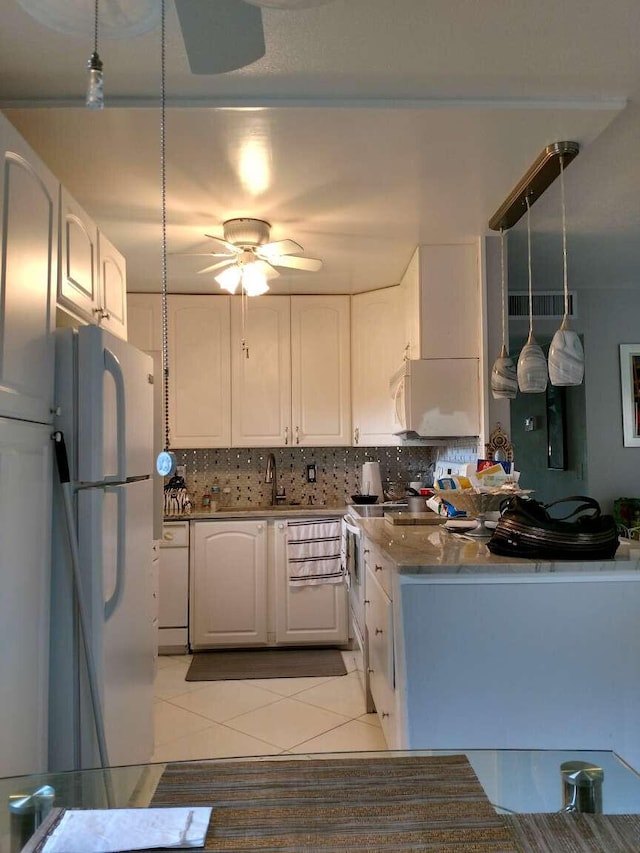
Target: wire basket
(472,502)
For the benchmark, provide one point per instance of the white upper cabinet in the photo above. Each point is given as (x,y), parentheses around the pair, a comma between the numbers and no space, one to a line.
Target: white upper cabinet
(261,372)
(28,269)
(291,378)
(113,286)
(199,363)
(377,343)
(320,371)
(442,302)
(92,281)
(78,283)
(144,321)
(199,371)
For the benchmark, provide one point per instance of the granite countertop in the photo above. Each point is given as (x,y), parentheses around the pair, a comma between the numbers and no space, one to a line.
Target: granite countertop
(433,550)
(287,511)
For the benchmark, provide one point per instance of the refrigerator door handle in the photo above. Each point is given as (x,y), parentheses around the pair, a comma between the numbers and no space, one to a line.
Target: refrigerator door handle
(112,366)
(111,605)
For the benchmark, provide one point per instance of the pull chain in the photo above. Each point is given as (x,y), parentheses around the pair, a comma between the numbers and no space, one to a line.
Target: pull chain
(504,328)
(163,188)
(564,243)
(529,266)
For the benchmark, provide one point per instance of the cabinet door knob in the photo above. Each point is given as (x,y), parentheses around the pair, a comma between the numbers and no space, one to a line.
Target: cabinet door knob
(281,526)
(366,601)
(370,670)
(168,537)
(378,568)
(297,435)
(356,435)
(379,631)
(384,714)
(260,528)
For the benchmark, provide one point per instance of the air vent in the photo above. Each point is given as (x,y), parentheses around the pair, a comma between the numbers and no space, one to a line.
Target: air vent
(546,303)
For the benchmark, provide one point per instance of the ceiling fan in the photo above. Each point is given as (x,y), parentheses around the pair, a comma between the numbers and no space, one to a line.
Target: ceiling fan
(227,34)
(250,258)
(219,35)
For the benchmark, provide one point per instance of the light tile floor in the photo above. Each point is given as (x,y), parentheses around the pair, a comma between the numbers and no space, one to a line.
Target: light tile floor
(225,719)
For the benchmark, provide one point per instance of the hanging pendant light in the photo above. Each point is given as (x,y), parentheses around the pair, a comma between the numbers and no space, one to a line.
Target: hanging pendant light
(566,356)
(504,382)
(532,365)
(95,78)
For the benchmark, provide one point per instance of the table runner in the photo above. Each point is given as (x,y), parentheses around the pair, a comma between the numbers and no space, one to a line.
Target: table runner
(424,803)
(575,833)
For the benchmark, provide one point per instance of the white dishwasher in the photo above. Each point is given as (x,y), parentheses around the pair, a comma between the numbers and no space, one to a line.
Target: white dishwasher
(173,618)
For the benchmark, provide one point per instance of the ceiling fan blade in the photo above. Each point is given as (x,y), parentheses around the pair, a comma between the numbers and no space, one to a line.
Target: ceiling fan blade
(295,263)
(229,248)
(220,36)
(267,269)
(218,265)
(280,247)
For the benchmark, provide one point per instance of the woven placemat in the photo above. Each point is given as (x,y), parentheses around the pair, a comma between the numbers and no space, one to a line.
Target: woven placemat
(575,833)
(424,803)
(265,663)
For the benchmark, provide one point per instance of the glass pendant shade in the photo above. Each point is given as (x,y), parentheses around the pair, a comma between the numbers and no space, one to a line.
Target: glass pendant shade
(566,357)
(532,368)
(504,381)
(95,83)
(229,279)
(254,281)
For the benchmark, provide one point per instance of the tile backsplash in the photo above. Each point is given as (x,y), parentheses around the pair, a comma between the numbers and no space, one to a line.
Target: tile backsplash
(239,472)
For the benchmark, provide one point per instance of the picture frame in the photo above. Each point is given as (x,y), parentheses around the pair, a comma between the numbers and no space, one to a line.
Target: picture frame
(630,385)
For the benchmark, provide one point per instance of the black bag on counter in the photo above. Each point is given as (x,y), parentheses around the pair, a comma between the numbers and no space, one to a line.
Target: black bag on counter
(525,529)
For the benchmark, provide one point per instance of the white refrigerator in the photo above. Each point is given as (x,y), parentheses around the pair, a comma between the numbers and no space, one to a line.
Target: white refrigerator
(104,395)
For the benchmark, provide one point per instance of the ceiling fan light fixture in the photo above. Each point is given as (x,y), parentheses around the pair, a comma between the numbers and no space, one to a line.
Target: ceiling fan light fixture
(254,282)
(229,279)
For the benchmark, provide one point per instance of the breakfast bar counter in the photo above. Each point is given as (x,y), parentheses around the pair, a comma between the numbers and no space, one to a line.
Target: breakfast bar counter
(433,549)
(475,650)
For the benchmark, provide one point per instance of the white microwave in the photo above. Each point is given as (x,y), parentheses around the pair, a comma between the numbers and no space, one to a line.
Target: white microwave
(437,398)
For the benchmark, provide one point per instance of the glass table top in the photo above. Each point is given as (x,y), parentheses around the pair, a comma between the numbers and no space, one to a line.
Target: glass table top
(517,781)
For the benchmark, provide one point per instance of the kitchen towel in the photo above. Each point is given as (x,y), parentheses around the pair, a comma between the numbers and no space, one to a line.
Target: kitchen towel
(313,552)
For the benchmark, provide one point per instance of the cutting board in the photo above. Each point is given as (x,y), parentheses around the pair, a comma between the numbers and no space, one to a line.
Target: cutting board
(414,518)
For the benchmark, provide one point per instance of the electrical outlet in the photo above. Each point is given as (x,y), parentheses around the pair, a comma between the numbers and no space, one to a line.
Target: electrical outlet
(311,473)
(530,424)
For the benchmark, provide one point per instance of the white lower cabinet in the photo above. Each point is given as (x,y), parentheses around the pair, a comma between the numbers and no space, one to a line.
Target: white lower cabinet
(240,593)
(228,603)
(307,614)
(379,622)
(173,588)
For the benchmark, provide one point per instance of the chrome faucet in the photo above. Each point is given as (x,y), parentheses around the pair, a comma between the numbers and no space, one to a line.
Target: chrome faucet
(270,476)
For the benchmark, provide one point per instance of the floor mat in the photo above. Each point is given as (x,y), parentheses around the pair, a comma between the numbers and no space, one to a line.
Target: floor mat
(265,663)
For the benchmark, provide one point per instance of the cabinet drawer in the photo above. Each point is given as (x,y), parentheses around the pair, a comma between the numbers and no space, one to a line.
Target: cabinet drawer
(175,534)
(379,622)
(380,567)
